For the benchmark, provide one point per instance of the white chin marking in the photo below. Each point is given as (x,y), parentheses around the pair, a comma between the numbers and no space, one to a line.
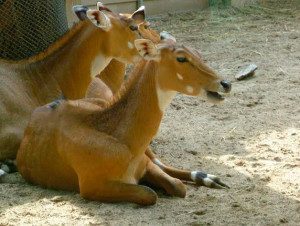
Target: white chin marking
(164,97)
(179,76)
(189,89)
(99,63)
(130,45)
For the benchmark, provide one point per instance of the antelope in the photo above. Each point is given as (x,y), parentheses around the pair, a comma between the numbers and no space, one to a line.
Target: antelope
(110,80)
(106,85)
(98,148)
(65,68)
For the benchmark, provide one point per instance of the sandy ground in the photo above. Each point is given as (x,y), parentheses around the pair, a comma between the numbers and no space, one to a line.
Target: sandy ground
(252,140)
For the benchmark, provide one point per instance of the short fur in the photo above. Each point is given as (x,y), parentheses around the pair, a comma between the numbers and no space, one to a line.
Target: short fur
(98,148)
(64,68)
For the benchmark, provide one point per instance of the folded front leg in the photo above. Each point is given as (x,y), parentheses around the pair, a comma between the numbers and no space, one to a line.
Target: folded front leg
(114,191)
(200,178)
(173,186)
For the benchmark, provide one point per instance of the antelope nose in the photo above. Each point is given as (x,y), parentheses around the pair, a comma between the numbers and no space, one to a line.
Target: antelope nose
(226,85)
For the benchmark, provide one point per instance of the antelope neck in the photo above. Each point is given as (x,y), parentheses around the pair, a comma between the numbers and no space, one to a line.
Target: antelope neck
(73,64)
(140,108)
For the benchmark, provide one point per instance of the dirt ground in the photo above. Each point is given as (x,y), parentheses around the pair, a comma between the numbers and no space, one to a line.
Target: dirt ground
(252,140)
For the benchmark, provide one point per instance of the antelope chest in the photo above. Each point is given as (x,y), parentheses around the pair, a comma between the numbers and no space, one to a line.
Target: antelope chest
(135,170)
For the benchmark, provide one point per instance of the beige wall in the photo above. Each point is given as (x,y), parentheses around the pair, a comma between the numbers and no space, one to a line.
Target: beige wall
(241,3)
(162,6)
(115,5)
(152,6)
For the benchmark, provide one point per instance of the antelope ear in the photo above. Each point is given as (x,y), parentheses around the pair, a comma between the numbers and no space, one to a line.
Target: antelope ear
(164,35)
(148,33)
(99,19)
(147,49)
(139,15)
(80,11)
(102,7)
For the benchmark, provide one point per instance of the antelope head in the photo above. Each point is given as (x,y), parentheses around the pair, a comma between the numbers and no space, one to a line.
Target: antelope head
(118,30)
(182,69)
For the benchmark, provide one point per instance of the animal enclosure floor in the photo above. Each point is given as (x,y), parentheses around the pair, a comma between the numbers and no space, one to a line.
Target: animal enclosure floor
(252,140)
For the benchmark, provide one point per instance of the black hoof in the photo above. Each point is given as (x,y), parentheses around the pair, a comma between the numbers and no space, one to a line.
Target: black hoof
(208,180)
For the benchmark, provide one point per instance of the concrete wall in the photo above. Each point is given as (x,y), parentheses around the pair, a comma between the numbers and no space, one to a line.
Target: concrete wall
(152,6)
(161,6)
(241,3)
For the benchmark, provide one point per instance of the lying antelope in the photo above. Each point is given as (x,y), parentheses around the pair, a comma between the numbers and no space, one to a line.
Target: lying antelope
(99,148)
(65,68)
(109,81)
(112,84)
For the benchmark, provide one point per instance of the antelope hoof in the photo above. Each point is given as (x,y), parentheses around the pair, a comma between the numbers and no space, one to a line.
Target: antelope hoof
(207,180)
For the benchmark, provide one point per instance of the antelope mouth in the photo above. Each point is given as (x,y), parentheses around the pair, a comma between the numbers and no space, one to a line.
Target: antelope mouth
(215,96)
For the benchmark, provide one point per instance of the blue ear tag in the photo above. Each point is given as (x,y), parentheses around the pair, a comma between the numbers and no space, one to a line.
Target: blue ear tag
(55,103)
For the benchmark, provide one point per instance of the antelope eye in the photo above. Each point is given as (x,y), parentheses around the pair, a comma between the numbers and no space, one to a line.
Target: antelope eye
(133,27)
(181,59)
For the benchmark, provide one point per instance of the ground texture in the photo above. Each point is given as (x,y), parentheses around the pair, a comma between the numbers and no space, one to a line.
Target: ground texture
(252,140)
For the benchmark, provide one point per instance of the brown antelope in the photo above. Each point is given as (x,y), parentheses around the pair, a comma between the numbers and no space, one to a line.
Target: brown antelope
(113,82)
(99,148)
(65,68)
(109,81)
